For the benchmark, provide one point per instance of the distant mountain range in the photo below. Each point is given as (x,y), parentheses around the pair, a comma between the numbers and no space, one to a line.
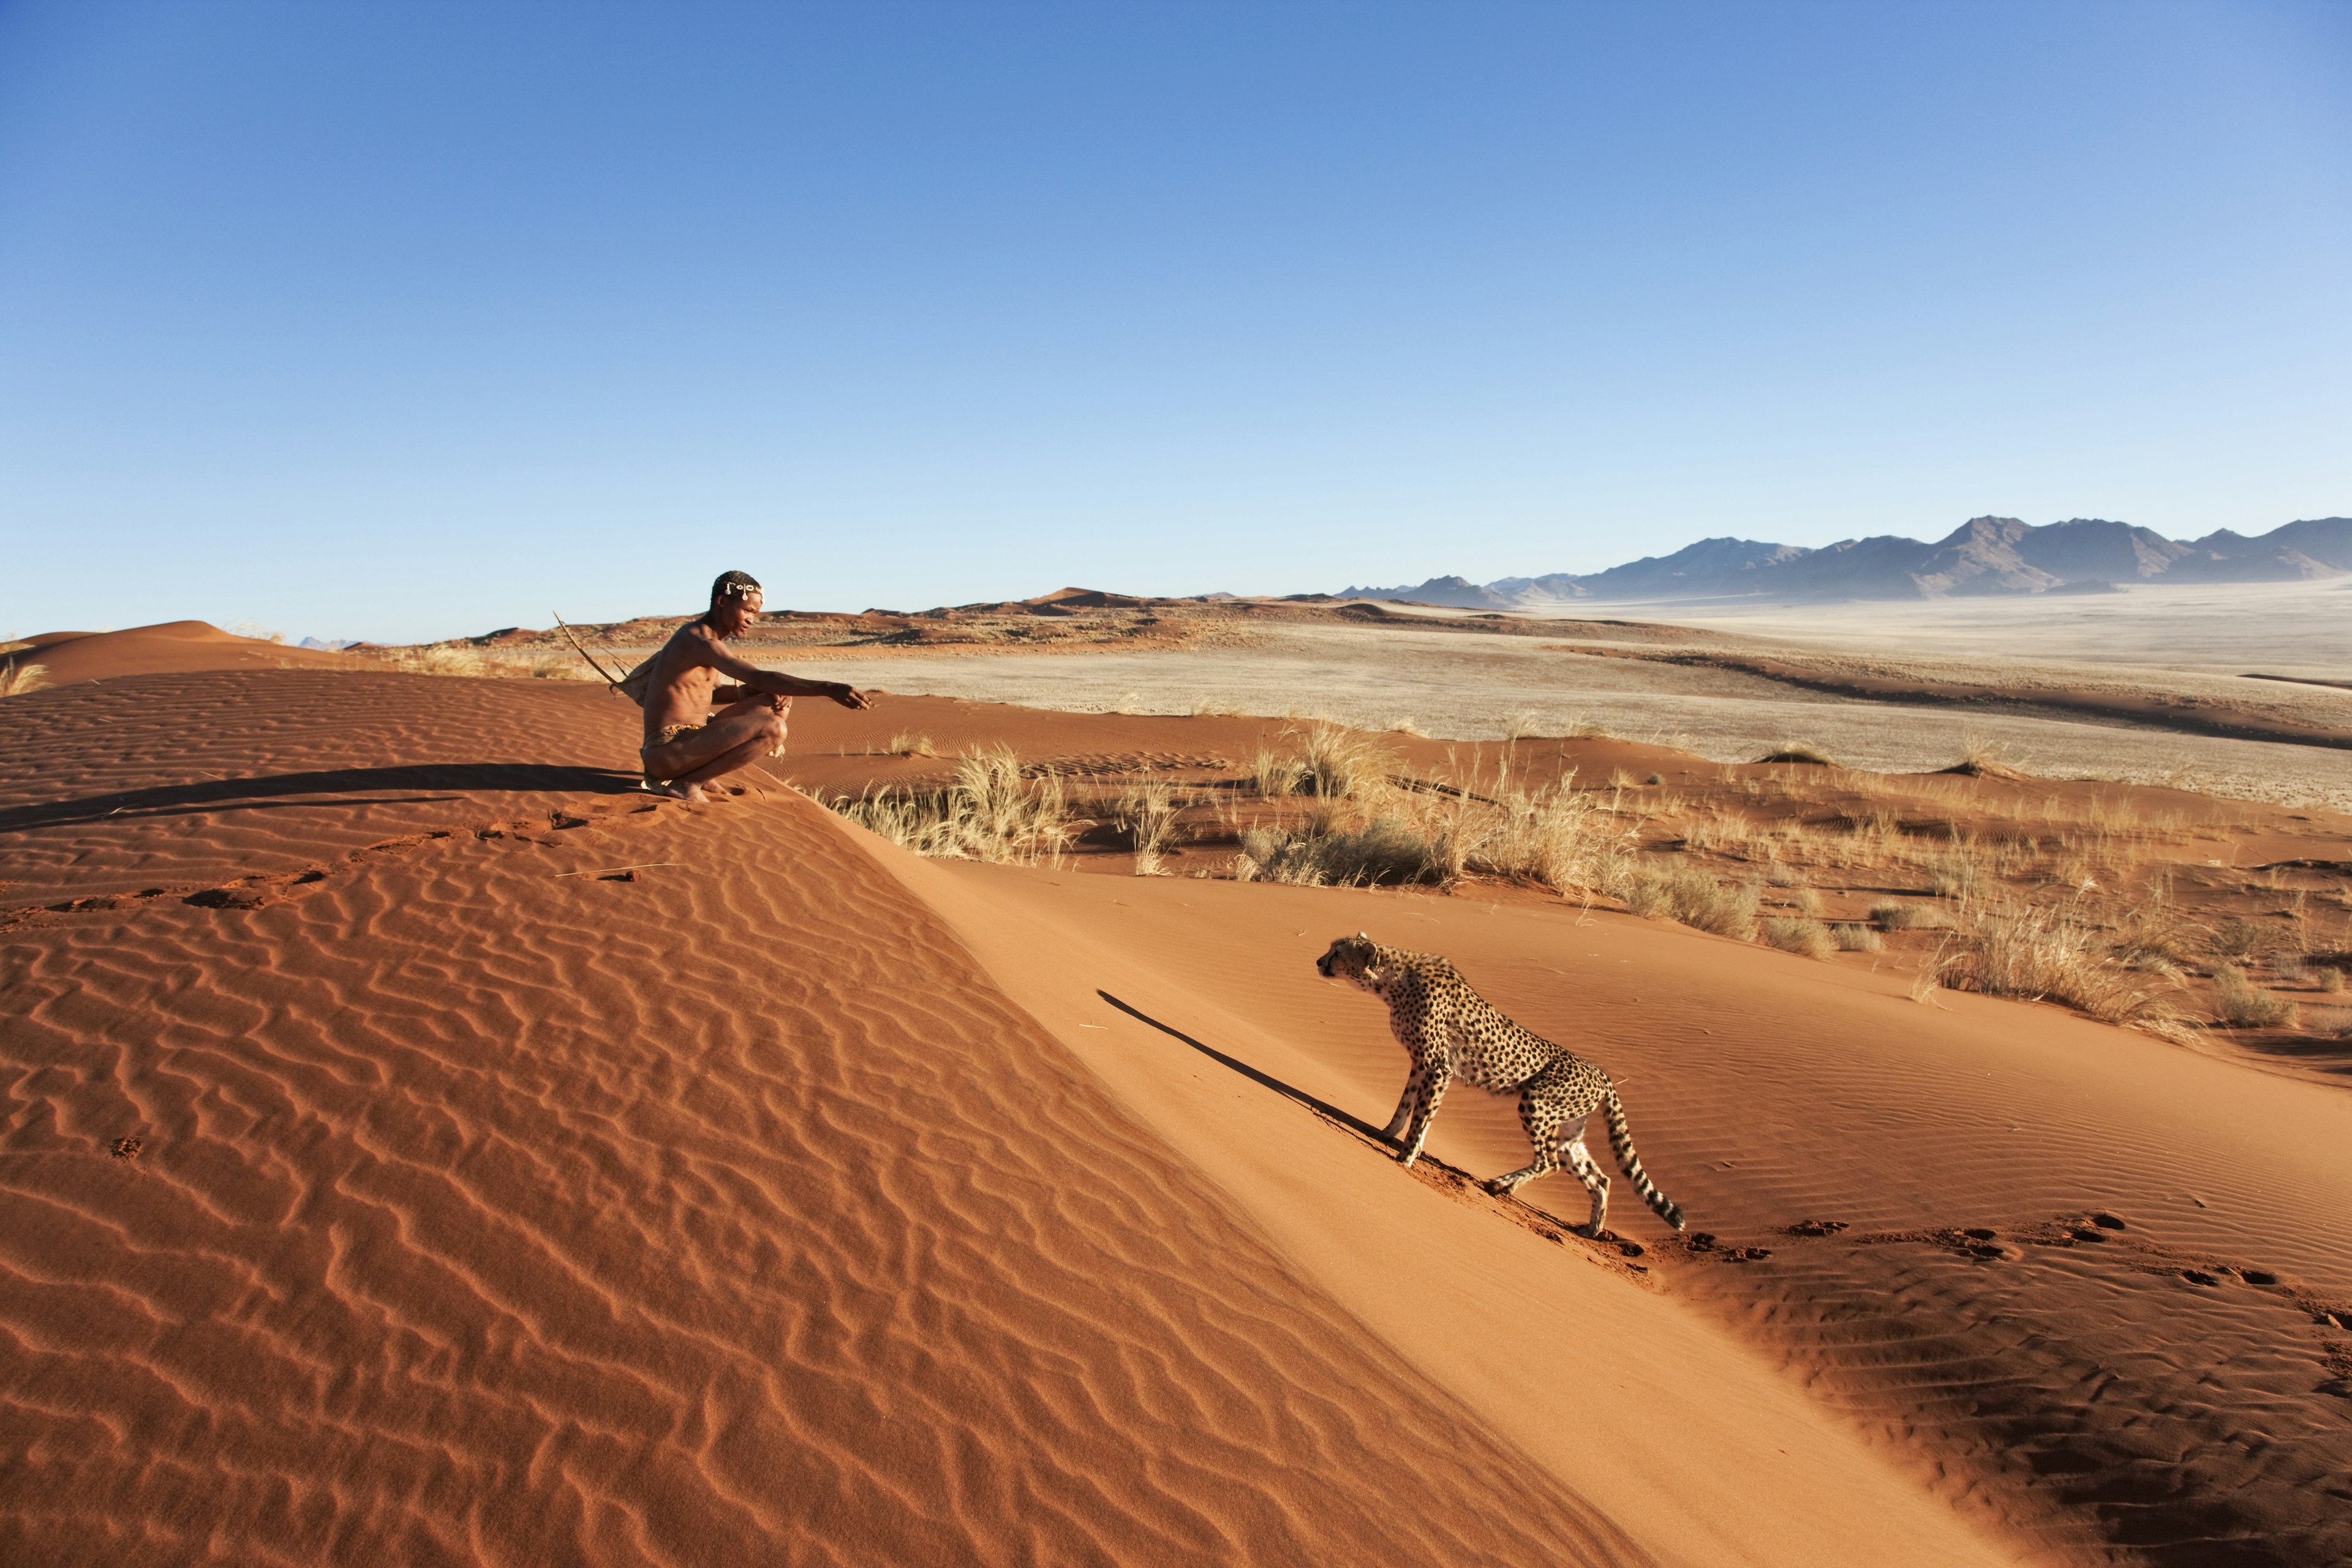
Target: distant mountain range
(1985,555)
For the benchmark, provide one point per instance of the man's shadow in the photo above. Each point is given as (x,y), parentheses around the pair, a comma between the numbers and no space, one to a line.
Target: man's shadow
(274,790)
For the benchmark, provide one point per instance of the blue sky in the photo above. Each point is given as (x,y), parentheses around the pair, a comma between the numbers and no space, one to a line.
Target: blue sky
(407,321)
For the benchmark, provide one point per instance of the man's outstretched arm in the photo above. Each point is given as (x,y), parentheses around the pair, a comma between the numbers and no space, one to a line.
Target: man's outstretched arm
(778,684)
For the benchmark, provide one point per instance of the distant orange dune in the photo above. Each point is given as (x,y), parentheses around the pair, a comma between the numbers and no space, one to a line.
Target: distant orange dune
(170,647)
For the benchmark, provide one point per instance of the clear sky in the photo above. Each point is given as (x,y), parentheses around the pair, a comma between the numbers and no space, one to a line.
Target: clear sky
(404,321)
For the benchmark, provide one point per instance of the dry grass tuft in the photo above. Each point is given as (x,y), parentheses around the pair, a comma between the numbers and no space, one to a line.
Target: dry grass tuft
(2238,1004)
(1981,759)
(2001,948)
(1807,938)
(990,812)
(16,679)
(1854,937)
(907,743)
(1146,812)
(1386,849)
(1689,895)
(1892,916)
(1274,774)
(1552,836)
(1343,764)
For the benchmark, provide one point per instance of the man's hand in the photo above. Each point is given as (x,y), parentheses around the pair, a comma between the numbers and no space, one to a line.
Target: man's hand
(849,696)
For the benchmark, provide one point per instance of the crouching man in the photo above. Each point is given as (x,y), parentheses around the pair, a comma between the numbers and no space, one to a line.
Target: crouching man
(686,745)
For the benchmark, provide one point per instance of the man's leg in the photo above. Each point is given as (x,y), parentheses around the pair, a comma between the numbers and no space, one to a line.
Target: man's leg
(737,736)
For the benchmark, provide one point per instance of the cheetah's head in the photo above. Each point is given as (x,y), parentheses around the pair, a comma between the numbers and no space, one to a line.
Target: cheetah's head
(1351,958)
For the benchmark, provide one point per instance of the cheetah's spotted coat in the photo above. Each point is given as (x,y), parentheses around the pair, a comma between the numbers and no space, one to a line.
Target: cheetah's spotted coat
(1449,1028)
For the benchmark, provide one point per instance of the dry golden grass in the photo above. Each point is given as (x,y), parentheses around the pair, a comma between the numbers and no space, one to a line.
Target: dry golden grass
(1854,937)
(1274,774)
(2001,947)
(988,812)
(1342,763)
(1147,813)
(907,743)
(15,679)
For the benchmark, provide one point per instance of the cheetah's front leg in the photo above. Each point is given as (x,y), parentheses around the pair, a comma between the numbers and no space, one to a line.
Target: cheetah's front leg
(1433,1073)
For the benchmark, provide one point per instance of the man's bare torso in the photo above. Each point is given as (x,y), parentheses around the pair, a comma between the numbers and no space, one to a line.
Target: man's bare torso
(682,683)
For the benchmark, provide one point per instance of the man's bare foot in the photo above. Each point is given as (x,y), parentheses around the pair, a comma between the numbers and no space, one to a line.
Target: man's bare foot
(674,791)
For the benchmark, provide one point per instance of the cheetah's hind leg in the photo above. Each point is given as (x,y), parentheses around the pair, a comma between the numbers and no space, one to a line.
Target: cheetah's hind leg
(1545,1101)
(1578,1158)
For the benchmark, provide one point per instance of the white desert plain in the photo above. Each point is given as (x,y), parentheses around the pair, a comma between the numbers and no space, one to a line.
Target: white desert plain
(423,1145)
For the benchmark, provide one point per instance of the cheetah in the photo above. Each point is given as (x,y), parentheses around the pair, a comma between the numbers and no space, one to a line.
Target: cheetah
(1448,1027)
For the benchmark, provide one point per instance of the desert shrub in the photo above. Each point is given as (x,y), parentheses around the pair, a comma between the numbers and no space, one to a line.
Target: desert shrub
(2005,949)
(1405,726)
(988,812)
(2331,979)
(16,679)
(1892,916)
(1799,752)
(1655,779)
(1808,938)
(1855,937)
(2239,1004)
(2336,1023)
(2240,938)
(1687,894)
(907,743)
(1386,849)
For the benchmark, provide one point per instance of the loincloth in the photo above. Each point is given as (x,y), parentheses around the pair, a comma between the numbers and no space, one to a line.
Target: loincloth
(673,732)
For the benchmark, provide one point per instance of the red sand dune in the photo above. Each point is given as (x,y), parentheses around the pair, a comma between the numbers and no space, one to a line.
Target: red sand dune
(607,1182)
(173,645)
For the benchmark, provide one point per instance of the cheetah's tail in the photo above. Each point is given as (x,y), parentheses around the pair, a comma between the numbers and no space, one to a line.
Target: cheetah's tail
(1621,1143)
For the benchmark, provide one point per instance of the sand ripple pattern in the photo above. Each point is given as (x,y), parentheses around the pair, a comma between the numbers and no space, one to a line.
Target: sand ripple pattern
(454,1236)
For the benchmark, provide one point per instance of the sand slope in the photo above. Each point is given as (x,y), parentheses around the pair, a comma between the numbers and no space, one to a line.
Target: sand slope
(457,1235)
(529,1173)
(2075,1392)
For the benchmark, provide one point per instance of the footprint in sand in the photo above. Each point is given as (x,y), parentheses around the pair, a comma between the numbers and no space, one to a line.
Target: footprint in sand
(126,1148)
